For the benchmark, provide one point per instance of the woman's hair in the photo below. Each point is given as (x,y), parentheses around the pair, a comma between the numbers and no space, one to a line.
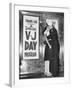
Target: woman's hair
(44,28)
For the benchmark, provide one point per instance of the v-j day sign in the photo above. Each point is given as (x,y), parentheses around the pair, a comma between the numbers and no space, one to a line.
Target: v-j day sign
(30,37)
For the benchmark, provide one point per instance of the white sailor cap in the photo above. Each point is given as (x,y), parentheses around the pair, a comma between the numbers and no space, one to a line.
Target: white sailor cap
(49,22)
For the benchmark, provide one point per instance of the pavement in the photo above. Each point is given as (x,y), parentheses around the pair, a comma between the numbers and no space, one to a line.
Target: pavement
(38,75)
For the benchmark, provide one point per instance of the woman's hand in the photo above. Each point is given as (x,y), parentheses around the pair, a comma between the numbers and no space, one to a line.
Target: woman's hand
(50,47)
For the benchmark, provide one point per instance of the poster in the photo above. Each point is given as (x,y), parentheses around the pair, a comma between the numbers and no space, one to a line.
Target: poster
(31,28)
(30,37)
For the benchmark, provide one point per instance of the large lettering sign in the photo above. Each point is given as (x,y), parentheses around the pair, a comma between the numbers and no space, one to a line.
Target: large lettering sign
(30,37)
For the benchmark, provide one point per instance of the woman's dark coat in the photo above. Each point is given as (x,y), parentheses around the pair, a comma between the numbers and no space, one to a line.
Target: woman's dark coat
(52,54)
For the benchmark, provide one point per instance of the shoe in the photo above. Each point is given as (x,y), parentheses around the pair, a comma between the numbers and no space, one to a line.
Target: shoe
(48,74)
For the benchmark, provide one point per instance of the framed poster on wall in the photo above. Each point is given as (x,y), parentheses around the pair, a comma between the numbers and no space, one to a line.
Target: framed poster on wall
(38,45)
(30,37)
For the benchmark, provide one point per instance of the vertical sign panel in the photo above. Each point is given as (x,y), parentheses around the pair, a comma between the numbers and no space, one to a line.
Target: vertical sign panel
(30,37)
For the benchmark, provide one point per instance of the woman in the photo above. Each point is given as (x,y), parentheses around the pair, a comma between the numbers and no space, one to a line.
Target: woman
(51,56)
